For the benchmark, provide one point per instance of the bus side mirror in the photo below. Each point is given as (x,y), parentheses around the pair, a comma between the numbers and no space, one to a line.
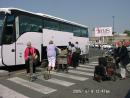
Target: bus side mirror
(40,30)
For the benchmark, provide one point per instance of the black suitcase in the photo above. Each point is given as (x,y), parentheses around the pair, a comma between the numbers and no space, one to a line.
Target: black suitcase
(102,61)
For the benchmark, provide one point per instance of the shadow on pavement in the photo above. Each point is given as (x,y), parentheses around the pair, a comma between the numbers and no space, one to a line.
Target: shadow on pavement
(128,94)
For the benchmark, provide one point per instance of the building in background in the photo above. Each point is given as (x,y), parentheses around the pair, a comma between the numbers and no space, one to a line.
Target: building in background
(102,35)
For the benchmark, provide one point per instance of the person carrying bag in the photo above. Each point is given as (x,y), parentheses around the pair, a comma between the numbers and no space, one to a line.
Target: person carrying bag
(30,57)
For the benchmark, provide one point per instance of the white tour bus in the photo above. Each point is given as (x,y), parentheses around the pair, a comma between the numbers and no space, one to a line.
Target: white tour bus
(17,27)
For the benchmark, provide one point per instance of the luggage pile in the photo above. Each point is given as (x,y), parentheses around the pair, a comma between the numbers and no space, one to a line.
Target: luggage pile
(105,70)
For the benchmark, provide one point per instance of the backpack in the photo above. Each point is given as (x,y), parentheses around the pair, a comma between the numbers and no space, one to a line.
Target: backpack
(57,51)
(78,50)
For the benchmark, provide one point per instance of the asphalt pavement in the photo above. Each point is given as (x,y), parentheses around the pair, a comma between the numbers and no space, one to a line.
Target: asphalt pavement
(78,83)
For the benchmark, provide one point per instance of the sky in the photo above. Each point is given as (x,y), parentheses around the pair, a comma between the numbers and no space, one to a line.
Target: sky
(92,13)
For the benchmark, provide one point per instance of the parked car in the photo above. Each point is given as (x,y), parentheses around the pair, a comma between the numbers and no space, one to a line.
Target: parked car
(106,46)
(94,45)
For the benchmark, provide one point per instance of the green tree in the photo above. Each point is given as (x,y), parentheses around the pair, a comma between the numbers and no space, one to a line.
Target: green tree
(110,40)
(127,32)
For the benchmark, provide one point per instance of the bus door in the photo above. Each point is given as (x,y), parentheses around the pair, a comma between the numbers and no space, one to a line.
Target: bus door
(8,42)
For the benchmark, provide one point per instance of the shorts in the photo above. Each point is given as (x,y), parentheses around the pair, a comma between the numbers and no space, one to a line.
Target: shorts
(52,61)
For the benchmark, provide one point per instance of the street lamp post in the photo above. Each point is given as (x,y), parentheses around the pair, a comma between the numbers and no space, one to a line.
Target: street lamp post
(113,17)
(113,31)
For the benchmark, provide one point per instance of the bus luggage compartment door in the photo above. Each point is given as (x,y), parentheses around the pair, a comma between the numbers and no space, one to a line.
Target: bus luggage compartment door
(8,54)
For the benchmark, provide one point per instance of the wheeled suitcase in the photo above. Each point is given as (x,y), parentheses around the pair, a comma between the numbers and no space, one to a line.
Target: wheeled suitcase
(102,61)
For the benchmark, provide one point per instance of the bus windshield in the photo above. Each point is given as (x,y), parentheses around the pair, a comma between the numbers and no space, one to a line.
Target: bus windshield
(1,24)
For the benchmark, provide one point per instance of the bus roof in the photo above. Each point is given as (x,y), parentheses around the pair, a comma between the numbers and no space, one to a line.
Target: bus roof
(8,10)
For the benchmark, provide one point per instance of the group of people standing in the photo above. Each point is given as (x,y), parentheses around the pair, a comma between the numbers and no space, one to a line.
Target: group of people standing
(73,53)
(122,58)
